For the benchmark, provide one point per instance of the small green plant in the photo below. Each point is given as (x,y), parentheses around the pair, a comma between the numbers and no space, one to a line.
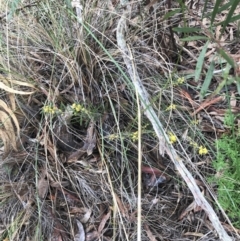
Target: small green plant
(227,166)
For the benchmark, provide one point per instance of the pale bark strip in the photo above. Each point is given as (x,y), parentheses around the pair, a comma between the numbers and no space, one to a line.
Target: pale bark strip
(168,148)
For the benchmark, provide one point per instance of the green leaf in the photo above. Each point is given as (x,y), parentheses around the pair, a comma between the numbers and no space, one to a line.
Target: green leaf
(186,30)
(193,38)
(230,14)
(223,8)
(204,9)
(171,13)
(215,10)
(207,80)
(200,61)
(233,19)
(226,57)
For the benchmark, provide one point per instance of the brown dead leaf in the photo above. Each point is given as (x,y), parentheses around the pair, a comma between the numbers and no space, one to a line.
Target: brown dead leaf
(103,222)
(149,233)
(89,144)
(43,186)
(90,141)
(207,103)
(70,198)
(193,206)
(123,210)
(187,96)
(80,235)
(83,213)
(156,176)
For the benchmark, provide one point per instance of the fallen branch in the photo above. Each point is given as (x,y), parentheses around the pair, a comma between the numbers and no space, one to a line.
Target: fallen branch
(165,145)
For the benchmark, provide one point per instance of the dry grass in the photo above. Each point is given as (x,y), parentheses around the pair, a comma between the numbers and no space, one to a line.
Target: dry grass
(73,165)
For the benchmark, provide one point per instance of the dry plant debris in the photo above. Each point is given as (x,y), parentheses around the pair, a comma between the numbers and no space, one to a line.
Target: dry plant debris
(81,159)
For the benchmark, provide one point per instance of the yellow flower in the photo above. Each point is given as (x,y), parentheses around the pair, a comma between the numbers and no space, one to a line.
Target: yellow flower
(195,122)
(193,144)
(180,80)
(134,136)
(113,137)
(172,138)
(76,107)
(171,107)
(47,109)
(202,150)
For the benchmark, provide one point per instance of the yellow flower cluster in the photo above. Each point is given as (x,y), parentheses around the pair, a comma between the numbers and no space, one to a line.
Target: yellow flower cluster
(172,138)
(171,107)
(79,108)
(134,136)
(193,144)
(202,150)
(180,80)
(47,109)
(113,137)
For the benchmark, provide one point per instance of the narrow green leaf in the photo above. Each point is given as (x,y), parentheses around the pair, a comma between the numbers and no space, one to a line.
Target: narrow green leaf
(215,10)
(221,9)
(226,57)
(233,19)
(200,61)
(204,9)
(230,14)
(186,30)
(171,13)
(207,80)
(193,38)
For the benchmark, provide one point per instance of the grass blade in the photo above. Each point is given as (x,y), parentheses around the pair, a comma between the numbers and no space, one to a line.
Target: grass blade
(226,57)
(234,18)
(200,62)
(215,10)
(207,80)
(221,9)
(193,38)
(186,30)
(171,13)
(230,14)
